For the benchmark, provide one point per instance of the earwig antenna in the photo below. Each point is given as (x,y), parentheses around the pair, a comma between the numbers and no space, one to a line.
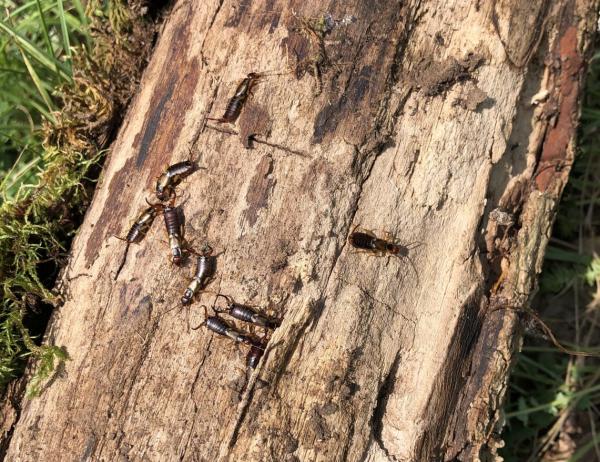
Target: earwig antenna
(122,260)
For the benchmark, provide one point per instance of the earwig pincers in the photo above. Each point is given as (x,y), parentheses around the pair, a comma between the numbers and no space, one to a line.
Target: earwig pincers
(236,103)
(248,314)
(166,183)
(138,230)
(204,270)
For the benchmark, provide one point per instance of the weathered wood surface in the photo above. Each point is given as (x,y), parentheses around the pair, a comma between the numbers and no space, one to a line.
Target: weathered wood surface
(425,129)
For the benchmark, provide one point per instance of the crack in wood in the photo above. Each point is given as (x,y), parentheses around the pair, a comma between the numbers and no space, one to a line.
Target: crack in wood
(260,140)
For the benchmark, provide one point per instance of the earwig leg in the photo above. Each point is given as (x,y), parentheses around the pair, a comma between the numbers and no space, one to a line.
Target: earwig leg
(119,238)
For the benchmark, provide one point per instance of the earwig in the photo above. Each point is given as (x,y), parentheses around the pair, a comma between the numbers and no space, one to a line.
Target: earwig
(175,232)
(254,355)
(369,242)
(138,231)
(204,270)
(236,103)
(221,327)
(142,225)
(248,314)
(166,183)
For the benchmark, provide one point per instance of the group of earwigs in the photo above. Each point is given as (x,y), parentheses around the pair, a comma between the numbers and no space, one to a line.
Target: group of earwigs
(165,192)
(243,313)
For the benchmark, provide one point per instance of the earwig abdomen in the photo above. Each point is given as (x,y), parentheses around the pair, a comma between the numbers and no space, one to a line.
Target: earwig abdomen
(173,225)
(204,268)
(233,110)
(234,107)
(172,221)
(181,169)
(219,326)
(171,178)
(363,241)
(254,356)
(140,228)
(243,313)
(247,314)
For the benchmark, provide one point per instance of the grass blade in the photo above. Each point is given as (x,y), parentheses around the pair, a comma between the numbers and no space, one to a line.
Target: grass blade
(51,63)
(42,91)
(45,34)
(63,29)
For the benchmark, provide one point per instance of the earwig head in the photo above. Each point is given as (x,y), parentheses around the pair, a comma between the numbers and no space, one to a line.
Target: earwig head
(254,75)
(177,259)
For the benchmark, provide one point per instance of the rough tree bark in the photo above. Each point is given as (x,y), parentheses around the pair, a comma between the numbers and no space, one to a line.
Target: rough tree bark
(450,124)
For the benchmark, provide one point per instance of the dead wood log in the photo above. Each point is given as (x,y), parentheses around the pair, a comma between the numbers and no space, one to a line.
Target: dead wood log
(446,124)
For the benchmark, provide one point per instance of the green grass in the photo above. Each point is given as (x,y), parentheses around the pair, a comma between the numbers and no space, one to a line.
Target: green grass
(553,406)
(63,87)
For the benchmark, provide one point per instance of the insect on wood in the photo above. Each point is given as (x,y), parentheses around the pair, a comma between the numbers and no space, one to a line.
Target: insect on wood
(367,241)
(248,314)
(168,181)
(138,230)
(236,103)
(174,227)
(205,267)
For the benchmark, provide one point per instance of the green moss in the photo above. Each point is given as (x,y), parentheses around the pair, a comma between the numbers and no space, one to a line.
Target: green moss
(39,219)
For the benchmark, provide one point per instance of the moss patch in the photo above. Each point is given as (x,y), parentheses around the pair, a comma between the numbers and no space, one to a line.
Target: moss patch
(37,226)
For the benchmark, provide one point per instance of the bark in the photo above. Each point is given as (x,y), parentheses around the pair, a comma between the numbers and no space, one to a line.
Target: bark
(424,128)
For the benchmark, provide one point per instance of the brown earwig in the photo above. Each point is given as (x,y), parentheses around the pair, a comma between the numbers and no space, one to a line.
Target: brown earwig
(221,327)
(175,231)
(248,314)
(138,230)
(204,270)
(236,103)
(369,242)
(166,183)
